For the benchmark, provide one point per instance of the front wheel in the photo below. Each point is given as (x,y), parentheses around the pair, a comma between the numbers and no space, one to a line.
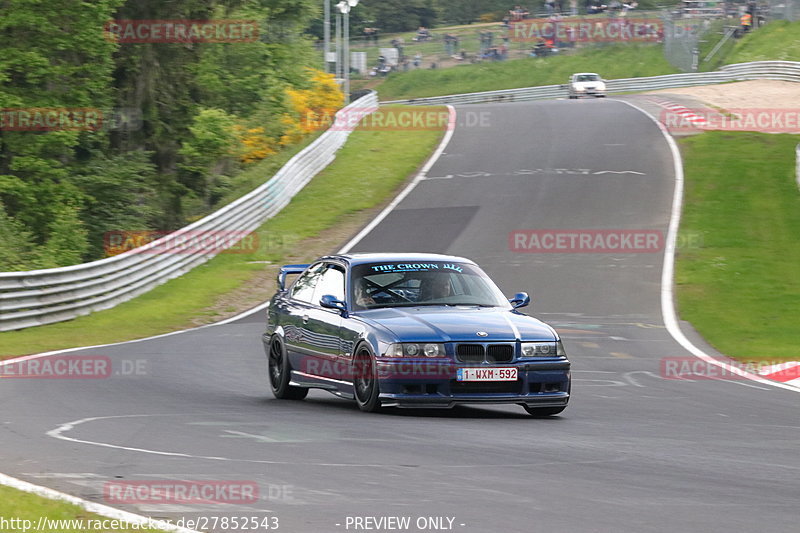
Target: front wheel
(280,373)
(365,381)
(543,412)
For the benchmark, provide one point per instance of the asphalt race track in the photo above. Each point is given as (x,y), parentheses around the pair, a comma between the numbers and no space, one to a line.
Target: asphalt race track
(634,452)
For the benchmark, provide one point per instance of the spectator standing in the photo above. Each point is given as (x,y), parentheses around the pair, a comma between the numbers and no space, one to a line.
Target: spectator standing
(399,44)
(448,44)
(747,22)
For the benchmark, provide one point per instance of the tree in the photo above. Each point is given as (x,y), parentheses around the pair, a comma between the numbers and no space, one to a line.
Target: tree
(54,57)
(401,15)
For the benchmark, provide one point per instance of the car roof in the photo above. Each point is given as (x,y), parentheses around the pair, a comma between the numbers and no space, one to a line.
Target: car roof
(586,74)
(363,258)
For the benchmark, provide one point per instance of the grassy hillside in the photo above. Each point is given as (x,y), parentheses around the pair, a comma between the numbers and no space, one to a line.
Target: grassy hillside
(621,61)
(779,40)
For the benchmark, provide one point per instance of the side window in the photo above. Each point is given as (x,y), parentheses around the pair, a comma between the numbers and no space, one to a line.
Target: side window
(331,282)
(303,288)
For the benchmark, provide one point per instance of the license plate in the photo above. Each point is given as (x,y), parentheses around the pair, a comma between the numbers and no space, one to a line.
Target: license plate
(487,374)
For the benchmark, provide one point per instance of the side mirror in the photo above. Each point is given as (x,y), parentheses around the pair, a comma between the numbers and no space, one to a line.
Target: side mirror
(521,299)
(330,302)
(285,271)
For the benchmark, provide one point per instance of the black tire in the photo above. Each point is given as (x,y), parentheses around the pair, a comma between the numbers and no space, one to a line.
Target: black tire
(365,380)
(573,97)
(543,412)
(279,373)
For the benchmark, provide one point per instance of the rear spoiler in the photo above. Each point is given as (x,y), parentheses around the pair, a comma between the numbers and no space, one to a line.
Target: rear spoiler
(286,270)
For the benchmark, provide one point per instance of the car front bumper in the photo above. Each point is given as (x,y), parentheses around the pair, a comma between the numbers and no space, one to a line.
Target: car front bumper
(433,385)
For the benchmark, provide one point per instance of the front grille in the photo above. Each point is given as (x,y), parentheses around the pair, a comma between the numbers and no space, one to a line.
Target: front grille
(500,353)
(486,387)
(479,353)
(470,353)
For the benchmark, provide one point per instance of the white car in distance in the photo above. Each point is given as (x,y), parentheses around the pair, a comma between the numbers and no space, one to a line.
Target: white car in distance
(586,84)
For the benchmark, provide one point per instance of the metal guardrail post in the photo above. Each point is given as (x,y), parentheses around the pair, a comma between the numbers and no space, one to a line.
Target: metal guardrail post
(797,165)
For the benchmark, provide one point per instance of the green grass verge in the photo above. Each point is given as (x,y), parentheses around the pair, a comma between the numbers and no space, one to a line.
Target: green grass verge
(741,287)
(367,171)
(614,61)
(777,41)
(15,504)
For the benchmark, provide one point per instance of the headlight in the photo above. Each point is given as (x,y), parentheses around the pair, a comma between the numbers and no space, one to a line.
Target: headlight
(580,89)
(601,87)
(409,349)
(543,349)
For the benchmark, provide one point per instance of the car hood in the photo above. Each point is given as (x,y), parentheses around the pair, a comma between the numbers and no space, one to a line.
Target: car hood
(460,324)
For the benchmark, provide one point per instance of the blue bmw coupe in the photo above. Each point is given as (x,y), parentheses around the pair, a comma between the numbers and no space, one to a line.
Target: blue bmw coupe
(410,330)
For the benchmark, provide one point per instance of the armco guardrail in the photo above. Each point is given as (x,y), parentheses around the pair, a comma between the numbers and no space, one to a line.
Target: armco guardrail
(38,297)
(758,70)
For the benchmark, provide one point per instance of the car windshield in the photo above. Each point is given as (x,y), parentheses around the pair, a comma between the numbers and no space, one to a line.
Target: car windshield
(588,77)
(396,284)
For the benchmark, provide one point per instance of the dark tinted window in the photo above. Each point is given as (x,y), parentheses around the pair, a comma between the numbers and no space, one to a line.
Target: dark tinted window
(429,283)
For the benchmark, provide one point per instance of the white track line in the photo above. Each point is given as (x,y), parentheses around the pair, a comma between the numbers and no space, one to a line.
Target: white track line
(92,507)
(668,312)
(451,127)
